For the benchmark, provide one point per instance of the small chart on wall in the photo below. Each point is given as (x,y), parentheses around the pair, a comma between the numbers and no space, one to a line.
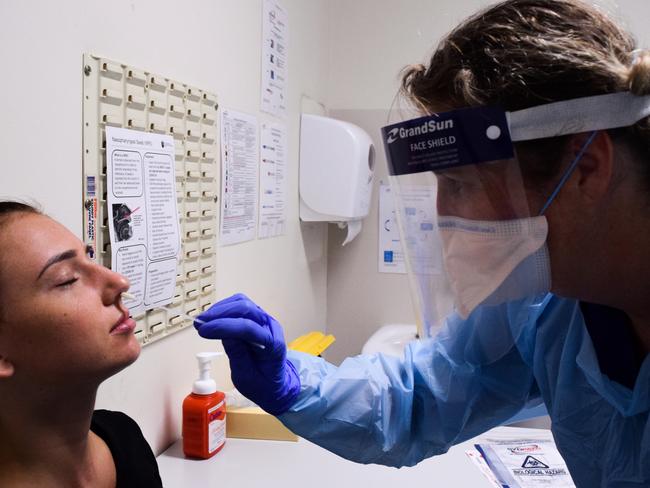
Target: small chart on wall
(150,186)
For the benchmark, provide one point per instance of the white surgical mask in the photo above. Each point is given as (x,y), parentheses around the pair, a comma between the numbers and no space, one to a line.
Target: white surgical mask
(493,262)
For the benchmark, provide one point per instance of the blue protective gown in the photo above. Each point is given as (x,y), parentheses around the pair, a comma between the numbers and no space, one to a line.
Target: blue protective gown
(475,375)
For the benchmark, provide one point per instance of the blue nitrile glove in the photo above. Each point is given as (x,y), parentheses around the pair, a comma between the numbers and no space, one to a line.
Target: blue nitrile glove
(262,374)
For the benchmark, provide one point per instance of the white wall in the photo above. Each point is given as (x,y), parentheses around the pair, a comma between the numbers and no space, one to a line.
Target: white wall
(212,44)
(371,41)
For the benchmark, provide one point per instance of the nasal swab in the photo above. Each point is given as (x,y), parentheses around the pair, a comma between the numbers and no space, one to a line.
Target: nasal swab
(182,314)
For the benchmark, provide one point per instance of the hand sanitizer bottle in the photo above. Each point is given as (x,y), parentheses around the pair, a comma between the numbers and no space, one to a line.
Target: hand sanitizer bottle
(204,413)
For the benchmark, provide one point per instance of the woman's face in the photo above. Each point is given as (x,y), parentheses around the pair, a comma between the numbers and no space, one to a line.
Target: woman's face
(62,319)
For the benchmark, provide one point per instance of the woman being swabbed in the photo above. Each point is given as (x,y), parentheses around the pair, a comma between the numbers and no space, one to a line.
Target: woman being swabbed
(63,330)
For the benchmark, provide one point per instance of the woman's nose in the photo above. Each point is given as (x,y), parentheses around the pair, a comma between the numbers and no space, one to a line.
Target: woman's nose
(114,284)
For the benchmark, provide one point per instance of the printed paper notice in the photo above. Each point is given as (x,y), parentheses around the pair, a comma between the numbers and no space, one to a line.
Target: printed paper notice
(526,463)
(239,171)
(273,192)
(417,206)
(143,216)
(275,38)
(391,256)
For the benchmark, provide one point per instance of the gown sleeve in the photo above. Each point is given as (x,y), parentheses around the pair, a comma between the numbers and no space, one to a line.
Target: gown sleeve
(397,411)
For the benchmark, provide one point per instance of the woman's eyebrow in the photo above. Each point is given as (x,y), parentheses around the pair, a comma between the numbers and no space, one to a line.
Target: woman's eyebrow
(58,258)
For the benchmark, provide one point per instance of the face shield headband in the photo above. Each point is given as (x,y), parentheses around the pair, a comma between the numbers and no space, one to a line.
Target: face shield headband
(461,200)
(484,134)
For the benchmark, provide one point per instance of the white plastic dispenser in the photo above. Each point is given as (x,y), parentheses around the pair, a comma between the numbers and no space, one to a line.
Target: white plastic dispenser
(337,161)
(204,384)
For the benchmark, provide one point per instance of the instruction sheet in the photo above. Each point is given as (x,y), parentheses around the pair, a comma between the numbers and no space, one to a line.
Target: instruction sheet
(273,183)
(143,215)
(526,463)
(391,256)
(239,172)
(275,38)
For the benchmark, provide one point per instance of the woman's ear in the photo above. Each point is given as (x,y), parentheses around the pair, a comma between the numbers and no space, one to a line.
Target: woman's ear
(6,368)
(595,169)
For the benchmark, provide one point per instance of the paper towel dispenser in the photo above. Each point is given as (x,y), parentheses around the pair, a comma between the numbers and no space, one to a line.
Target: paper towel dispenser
(337,161)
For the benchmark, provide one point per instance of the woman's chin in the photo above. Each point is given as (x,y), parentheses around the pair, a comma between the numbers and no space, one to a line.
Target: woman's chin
(128,354)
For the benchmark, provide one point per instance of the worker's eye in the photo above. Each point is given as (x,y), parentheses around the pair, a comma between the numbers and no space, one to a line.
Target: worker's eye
(452,186)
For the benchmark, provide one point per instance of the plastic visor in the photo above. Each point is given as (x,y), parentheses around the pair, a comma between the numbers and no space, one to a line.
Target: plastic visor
(447,170)
(458,189)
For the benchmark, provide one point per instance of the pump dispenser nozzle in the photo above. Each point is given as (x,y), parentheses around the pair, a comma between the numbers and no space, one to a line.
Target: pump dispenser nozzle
(205,385)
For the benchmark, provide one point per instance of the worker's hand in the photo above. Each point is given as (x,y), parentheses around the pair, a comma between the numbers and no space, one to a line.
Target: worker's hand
(254,343)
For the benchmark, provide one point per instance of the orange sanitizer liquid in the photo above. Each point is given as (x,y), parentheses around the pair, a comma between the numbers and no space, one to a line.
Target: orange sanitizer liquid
(204,414)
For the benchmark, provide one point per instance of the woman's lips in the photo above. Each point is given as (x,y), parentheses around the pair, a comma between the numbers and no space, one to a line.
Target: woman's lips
(125,326)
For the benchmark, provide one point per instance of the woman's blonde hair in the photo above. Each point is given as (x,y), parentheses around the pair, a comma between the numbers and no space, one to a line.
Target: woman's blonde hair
(522,53)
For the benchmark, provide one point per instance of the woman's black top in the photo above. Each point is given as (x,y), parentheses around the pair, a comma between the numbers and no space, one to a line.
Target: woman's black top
(135,464)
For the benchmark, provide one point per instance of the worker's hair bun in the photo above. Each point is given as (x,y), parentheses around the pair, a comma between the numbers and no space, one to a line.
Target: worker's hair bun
(412,75)
(639,75)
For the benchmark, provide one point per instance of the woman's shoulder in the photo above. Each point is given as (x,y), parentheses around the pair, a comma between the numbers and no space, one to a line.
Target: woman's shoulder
(135,463)
(117,429)
(112,418)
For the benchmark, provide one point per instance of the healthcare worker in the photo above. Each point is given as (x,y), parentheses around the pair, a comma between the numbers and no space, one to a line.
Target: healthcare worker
(523,189)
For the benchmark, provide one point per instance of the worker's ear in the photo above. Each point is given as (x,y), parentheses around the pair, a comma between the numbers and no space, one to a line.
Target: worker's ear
(6,367)
(594,172)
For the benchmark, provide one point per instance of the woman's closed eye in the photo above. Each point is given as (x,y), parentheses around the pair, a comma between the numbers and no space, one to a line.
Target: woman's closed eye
(67,283)
(70,258)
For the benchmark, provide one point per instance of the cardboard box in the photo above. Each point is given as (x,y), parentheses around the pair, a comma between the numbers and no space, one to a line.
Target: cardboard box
(255,423)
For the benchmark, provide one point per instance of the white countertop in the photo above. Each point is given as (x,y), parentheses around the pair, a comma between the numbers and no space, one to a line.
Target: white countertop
(244,463)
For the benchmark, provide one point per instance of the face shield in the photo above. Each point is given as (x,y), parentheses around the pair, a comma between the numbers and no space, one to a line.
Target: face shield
(469,234)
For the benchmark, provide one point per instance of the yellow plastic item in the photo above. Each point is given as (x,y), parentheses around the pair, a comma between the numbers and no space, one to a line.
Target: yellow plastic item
(313,343)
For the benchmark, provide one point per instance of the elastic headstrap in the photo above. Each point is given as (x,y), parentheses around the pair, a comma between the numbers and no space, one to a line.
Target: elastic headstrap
(586,114)
(568,172)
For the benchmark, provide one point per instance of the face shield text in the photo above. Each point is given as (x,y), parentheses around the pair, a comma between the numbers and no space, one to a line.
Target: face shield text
(432,143)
